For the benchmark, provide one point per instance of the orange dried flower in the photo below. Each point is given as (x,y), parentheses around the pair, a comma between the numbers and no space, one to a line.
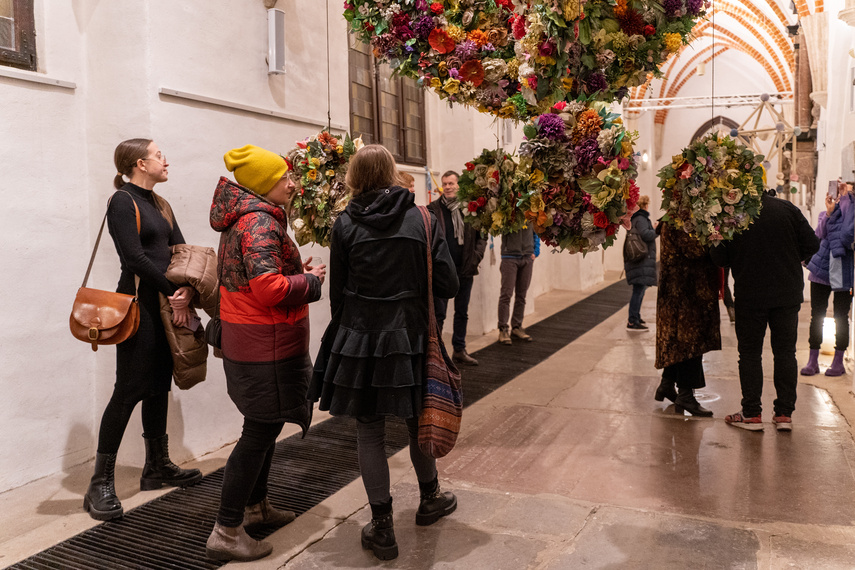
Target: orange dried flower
(479,37)
(588,124)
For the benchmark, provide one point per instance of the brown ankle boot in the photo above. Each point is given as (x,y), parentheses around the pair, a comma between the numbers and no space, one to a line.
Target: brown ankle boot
(232,543)
(263,514)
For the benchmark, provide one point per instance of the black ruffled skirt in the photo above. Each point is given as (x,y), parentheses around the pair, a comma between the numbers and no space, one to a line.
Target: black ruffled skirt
(363,373)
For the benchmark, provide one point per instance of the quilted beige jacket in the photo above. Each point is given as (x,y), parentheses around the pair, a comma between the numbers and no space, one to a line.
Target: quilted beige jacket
(195,266)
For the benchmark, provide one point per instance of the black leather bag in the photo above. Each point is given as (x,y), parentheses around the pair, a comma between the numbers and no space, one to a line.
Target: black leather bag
(214,331)
(634,248)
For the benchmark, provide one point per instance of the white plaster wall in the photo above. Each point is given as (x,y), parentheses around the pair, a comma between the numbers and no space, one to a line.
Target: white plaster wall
(58,174)
(44,228)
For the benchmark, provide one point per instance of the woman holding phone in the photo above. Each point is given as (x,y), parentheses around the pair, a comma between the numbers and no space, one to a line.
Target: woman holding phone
(831,271)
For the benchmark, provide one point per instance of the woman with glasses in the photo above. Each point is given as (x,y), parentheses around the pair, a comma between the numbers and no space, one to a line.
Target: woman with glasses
(144,361)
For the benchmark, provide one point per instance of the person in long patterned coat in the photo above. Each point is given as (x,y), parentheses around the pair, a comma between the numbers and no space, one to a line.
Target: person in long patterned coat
(265,289)
(687,318)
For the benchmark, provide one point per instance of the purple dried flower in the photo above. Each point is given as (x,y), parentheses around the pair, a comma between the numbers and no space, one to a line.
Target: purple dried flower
(551,126)
(673,7)
(587,152)
(421,5)
(694,6)
(466,50)
(597,82)
(423,27)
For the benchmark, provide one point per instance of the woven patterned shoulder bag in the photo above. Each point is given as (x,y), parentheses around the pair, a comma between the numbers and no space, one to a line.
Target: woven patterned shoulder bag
(442,409)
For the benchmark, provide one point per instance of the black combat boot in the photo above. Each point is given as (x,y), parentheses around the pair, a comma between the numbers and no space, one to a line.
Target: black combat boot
(101,501)
(434,503)
(379,535)
(159,470)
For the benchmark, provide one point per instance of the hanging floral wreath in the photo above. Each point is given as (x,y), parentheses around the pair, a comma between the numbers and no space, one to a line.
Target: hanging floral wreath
(320,163)
(488,191)
(712,190)
(581,171)
(516,58)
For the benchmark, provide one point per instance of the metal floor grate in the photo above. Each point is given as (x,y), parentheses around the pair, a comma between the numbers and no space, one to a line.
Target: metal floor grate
(170,532)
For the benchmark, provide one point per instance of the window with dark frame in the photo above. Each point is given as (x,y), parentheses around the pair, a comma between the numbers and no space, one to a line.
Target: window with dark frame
(17,34)
(385,109)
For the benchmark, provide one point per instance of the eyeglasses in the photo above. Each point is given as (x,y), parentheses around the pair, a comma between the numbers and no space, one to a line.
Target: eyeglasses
(161,160)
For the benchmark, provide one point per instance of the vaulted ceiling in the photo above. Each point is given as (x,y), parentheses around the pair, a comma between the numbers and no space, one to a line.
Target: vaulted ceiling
(744,40)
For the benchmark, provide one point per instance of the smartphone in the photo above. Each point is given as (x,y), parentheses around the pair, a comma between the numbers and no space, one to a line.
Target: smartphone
(832,189)
(195,322)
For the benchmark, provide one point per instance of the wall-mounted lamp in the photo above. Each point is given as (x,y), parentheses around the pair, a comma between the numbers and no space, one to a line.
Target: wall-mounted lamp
(275,42)
(645,160)
(702,68)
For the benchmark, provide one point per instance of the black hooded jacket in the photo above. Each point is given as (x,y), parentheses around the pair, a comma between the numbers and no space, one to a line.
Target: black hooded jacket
(371,358)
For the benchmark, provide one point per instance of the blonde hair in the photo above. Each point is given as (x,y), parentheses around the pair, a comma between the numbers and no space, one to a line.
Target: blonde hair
(405,179)
(371,168)
(644,201)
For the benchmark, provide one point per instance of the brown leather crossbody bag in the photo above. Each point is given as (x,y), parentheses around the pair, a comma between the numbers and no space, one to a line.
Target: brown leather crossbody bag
(104,317)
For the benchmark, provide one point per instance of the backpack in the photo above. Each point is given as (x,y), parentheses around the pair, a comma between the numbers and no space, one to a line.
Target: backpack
(634,248)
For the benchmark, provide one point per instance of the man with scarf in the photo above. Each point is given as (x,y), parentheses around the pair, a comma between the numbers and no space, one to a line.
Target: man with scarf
(466,246)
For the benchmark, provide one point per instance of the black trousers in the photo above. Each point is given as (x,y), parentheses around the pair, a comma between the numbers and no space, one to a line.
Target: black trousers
(819,295)
(751,323)
(461,312)
(373,465)
(247,469)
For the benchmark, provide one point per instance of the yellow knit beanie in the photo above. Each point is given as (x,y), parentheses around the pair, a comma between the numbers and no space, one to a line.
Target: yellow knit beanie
(256,168)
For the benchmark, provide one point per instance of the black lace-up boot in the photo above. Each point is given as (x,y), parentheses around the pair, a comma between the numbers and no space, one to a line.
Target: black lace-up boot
(101,501)
(159,470)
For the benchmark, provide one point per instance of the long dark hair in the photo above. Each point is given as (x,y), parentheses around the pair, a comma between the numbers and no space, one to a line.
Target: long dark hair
(126,156)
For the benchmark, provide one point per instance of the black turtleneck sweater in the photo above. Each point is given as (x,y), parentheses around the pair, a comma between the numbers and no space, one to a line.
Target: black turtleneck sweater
(146,253)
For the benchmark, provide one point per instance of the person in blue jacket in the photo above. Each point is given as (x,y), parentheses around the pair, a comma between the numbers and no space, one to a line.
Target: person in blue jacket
(831,271)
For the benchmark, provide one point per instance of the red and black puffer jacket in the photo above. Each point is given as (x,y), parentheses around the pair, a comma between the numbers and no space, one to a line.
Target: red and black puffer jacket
(264,298)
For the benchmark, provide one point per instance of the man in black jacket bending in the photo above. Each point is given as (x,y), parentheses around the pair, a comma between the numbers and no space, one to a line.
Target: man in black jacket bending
(466,246)
(766,262)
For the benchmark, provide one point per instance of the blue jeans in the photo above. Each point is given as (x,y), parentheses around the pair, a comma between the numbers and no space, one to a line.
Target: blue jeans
(461,312)
(635,304)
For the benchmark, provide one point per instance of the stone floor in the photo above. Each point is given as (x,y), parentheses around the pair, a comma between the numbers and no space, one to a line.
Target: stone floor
(574,465)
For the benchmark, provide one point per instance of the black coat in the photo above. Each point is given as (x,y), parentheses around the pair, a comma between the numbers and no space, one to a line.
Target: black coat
(643,272)
(766,259)
(474,242)
(372,354)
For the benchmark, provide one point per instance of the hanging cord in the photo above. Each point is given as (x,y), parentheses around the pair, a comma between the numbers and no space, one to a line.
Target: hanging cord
(329,88)
(712,89)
